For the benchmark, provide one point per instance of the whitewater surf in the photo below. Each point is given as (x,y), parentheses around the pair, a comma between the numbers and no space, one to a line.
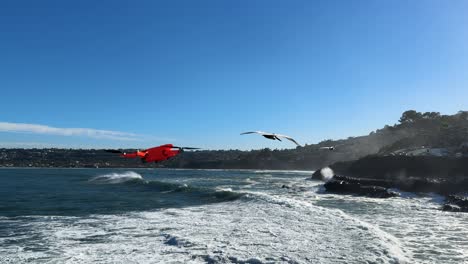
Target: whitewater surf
(202,216)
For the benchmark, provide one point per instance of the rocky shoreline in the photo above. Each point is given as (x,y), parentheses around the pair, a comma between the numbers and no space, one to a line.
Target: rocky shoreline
(376,176)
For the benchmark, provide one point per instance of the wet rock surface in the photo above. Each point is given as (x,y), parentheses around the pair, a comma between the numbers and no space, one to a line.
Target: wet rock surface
(317,175)
(442,175)
(347,185)
(373,176)
(456,203)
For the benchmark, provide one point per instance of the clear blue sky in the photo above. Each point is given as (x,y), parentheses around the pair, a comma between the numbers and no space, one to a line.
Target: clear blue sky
(198,73)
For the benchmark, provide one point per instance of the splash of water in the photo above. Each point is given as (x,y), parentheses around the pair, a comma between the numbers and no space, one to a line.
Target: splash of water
(117,177)
(327,173)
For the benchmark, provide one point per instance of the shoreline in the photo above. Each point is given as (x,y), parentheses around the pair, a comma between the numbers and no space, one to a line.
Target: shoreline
(159,168)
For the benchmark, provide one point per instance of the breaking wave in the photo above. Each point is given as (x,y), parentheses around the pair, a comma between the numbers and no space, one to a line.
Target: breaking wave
(116,178)
(134,179)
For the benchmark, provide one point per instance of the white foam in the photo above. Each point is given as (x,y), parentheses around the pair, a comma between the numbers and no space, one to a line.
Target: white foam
(266,228)
(224,189)
(117,177)
(424,232)
(327,173)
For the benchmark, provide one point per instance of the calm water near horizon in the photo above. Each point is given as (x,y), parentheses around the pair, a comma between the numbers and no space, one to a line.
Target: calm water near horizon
(214,216)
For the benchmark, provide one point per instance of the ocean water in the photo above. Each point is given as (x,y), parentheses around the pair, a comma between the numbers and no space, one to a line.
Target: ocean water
(215,216)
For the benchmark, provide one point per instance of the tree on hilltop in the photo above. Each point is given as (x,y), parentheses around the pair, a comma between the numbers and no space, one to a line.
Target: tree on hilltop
(410,116)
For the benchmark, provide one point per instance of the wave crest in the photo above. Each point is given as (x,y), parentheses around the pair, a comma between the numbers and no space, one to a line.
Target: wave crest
(117,177)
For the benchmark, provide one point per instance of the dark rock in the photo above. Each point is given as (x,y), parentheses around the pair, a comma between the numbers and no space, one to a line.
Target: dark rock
(458,200)
(317,175)
(455,203)
(365,181)
(354,187)
(451,208)
(443,175)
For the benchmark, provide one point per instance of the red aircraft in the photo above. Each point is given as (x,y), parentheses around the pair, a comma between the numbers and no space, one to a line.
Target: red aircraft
(155,154)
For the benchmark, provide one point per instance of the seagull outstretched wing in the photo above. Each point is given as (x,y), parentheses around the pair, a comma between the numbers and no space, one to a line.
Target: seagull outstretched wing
(257,132)
(288,137)
(332,147)
(272,136)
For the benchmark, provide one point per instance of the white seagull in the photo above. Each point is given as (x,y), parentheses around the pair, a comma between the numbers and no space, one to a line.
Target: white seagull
(329,148)
(272,136)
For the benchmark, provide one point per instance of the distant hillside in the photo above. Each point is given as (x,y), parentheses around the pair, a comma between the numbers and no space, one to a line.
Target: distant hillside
(430,130)
(413,130)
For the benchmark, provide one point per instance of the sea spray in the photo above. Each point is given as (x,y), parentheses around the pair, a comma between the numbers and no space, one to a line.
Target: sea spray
(117,177)
(327,173)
